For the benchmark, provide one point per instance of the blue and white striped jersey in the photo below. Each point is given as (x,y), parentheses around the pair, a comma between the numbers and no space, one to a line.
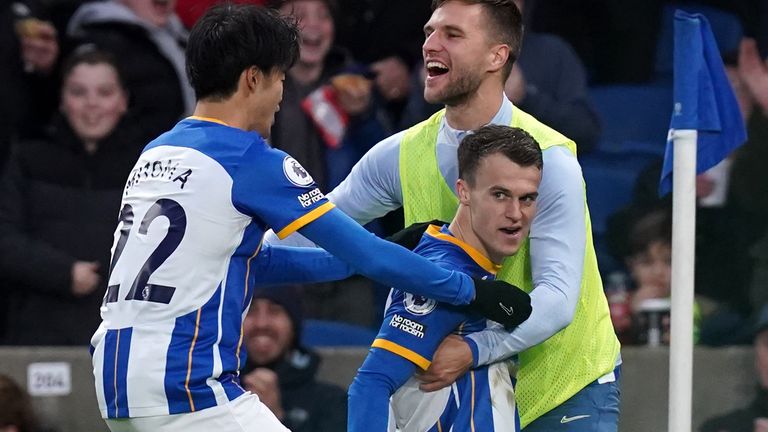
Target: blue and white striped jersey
(194,211)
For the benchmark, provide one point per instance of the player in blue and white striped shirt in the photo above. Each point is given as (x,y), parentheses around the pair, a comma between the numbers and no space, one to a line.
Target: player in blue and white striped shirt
(499,175)
(188,247)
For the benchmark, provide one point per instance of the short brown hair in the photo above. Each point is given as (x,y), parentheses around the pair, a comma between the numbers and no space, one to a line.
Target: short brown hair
(514,143)
(506,25)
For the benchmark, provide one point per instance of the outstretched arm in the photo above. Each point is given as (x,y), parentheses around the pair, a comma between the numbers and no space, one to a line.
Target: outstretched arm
(386,262)
(277,265)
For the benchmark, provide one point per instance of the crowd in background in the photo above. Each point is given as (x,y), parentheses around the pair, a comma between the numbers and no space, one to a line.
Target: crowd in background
(85,85)
(67,142)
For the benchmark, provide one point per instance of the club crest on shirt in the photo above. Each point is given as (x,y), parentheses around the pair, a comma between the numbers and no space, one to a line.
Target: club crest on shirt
(418,305)
(296,173)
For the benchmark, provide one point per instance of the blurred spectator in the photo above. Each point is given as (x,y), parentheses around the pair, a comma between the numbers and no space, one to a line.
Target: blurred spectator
(325,76)
(328,119)
(282,372)
(189,11)
(549,82)
(754,417)
(58,203)
(650,257)
(16,414)
(28,53)
(148,40)
(748,187)
(386,35)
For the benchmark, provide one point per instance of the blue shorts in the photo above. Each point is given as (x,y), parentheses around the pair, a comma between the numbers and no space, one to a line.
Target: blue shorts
(593,409)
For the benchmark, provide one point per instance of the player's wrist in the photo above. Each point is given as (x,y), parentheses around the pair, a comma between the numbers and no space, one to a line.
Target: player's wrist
(473,349)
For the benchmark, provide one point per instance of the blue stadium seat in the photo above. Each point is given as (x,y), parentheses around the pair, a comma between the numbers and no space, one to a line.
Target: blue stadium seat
(610,180)
(634,118)
(321,333)
(726,27)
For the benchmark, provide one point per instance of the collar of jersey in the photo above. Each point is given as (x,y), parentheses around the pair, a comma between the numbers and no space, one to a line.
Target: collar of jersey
(481,260)
(208,119)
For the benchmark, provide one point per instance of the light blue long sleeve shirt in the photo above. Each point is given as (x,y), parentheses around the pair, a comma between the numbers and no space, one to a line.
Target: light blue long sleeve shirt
(557,239)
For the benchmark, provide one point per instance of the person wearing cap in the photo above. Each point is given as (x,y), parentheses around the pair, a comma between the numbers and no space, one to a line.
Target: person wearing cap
(282,372)
(753,417)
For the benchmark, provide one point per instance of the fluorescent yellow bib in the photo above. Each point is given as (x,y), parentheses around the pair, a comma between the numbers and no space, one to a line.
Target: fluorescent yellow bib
(553,371)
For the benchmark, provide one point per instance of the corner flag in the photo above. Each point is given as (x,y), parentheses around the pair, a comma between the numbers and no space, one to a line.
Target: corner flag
(703,97)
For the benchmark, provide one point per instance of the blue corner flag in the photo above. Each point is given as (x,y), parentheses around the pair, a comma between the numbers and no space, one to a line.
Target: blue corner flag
(703,97)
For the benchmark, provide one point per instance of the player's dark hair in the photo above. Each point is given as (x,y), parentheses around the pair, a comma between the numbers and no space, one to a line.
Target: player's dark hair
(229,39)
(514,143)
(505,25)
(91,55)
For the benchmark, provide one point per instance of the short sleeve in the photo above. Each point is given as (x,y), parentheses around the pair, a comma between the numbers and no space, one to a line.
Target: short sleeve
(272,186)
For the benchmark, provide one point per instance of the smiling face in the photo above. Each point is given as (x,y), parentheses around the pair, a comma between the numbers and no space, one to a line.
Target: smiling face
(155,12)
(501,203)
(457,52)
(268,332)
(93,101)
(317,29)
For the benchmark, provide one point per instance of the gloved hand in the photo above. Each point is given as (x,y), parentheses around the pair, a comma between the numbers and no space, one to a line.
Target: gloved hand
(410,237)
(499,301)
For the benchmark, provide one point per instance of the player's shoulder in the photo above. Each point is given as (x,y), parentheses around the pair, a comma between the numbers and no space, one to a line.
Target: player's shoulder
(229,146)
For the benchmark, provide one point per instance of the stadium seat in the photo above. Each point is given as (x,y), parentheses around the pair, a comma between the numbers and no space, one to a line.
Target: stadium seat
(321,333)
(726,27)
(610,180)
(634,118)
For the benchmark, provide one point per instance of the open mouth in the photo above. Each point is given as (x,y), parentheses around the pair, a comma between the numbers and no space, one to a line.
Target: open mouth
(312,41)
(510,231)
(436,68)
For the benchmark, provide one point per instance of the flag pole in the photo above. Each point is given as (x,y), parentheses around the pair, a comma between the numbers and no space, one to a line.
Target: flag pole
(683,250)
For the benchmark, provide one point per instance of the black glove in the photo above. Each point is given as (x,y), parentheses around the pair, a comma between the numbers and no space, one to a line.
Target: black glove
(499,301)
(410,237)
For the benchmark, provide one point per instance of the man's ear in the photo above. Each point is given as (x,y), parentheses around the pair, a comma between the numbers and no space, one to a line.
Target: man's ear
(253,77)
(499,56)
(462,190)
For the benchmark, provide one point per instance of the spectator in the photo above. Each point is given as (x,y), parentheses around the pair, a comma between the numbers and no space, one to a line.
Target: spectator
(189,11)
(148,40)
(326,76)
(650,257)
(28,52)
(549,82)
(754,417)
(57,208)
(387,35)
(282,372)
(16,414)
(748,194)
(296,130)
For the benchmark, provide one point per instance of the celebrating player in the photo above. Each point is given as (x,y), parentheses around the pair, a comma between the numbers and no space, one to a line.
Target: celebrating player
(187,251)
(499,174)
